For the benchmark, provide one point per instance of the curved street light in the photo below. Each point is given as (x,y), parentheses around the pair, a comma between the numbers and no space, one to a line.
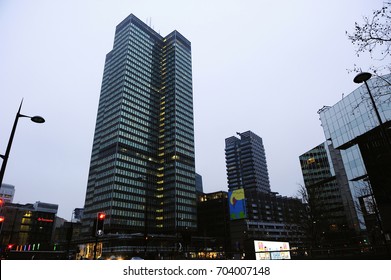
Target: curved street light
(363,77)
(36,119)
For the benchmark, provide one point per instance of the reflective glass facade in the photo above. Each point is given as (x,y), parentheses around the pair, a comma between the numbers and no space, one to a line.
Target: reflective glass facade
(142,170)
(355,168)
(354,114)
(246,162)
(331,203)
(353,127)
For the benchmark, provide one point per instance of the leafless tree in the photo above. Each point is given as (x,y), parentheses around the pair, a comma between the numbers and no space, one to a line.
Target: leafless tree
(312,223)
(373,36)
(374,33)
(380,89)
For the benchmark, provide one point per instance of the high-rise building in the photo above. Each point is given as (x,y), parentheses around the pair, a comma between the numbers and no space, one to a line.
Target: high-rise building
(333,211)
(142,170)
(352,125)
(246,162)
(256,212)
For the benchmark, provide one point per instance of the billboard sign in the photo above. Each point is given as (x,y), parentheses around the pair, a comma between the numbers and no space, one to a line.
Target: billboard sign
(237,205)
(271,250)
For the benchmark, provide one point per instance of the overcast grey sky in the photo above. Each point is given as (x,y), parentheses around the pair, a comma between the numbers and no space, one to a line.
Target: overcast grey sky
(263,65)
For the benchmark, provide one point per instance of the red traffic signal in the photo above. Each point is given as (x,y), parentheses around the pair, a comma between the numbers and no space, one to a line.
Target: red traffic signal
(100,219)
(2,219)
(101,216)
(1,202)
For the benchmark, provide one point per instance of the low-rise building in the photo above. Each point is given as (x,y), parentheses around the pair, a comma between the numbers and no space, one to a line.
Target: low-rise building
(28,227)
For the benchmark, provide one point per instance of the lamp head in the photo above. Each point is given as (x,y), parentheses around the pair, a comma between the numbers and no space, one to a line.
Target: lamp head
(362,77)
(37,119)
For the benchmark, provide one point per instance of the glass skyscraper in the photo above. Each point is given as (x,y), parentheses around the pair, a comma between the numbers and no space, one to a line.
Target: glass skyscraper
(332,207)
(352,127)
(142,169)
(246,162)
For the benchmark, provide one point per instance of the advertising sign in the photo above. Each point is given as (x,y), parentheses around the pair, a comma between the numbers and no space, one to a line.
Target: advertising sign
(237,205)
(271,250)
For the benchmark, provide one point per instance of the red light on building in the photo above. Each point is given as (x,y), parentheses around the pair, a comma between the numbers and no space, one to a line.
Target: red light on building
(101,216)
(45,220)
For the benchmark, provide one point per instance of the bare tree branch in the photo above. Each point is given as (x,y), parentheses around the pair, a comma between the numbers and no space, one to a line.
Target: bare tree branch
(374,33)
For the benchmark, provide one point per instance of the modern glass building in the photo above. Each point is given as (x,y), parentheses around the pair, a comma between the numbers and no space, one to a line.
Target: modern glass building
(246,162)
(333,212)
(142,170)
(353,127)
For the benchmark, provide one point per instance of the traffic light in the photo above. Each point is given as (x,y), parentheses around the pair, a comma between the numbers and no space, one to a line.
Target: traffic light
(1,212)
(100,219)
(1,222)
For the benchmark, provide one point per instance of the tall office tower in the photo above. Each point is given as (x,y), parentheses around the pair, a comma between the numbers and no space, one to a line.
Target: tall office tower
(332,207)
(142,170)
(246,162)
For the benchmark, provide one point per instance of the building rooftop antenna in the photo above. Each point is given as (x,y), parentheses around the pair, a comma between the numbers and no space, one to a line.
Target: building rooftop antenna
(149,21)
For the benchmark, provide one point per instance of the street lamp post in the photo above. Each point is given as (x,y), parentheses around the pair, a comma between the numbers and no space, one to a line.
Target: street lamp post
(36,119)
(364,77)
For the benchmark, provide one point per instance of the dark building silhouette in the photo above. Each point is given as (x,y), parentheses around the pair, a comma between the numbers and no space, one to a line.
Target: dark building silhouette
(270,217)
(28,227)
(213,222)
